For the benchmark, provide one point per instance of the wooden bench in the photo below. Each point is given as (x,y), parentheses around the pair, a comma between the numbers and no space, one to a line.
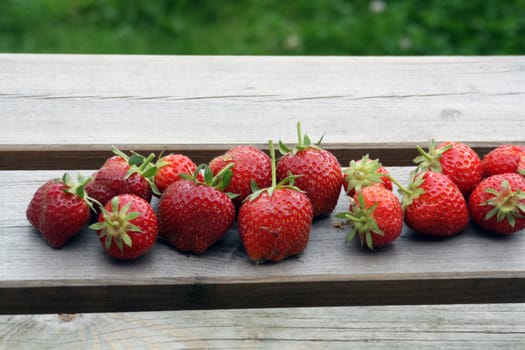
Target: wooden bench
(63,112)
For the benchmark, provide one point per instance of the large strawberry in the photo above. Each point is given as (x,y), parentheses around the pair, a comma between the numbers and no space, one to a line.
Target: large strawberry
(169,169)
(365,172)
(195,214)
(376,216)
(59,209)
(127,227)
(433,205)
(274,222)
(321,175)
(454,159)
(122,174)
(498,203)
(504,159)
(249,163)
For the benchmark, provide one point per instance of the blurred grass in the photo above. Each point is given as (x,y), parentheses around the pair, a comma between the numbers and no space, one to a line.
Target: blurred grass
(272,27)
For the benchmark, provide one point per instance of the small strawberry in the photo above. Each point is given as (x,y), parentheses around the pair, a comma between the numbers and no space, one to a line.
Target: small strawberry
(169,169)
(454,159)
(498,203)
(249,163)
(59,209)
(376,215)
(321,178)
(127,227)
(503,159)
(193,214)
(121,174)
(365,172)
(433,205)
(274,222)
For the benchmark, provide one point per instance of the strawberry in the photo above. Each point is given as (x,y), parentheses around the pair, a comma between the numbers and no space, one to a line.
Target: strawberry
(365,172)
(433,205)
(376,215)
(59,209)
(249,163)
(497,204)
(169,169)
(321,178)
(454,159)
(274,222)
(193,214)
(121,174)
(503,159)
(127,227)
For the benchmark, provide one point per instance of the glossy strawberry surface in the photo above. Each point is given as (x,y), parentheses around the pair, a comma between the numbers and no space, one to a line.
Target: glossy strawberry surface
(194,216)
(321,178)
(111,180)
(440,210)
(462,165)
(503,159)
(388,214)
(249,163)
(142,236)
(484,199)
(58,215)
(273,227)
(172,166)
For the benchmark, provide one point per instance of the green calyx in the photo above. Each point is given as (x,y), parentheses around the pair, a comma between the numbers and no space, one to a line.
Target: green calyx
(77,188)
(360,174)
(116,225)
(304,142)
(219,181)
(430,160)
(287,182)
(414,189)
(507,204)
(363,221)
(138,164)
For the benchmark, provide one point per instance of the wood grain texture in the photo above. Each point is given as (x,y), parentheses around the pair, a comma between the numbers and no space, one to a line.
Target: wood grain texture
(493,326)
(472,267)
(51,104)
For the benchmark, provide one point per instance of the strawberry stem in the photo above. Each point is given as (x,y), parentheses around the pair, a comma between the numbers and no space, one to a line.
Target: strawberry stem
(424,154)
(400,187)
(274,168)
(299,135)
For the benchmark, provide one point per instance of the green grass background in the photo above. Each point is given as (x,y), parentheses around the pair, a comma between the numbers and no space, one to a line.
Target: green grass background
(272,27)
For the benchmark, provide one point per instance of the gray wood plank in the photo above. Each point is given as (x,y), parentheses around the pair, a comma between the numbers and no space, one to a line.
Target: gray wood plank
(493,326)
(86,103)
(472,267)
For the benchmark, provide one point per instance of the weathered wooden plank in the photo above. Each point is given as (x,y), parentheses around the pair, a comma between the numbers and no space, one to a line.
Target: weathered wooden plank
(492,326)
(472,267)
(384,105)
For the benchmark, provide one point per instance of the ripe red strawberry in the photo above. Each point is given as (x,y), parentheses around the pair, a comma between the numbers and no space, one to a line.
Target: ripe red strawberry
(121,174)
(376,215)
(321,178)
(274,222)
(434,205)
(503,159)
(59,209)
(365,172)
(454,159)
(169,169)
(498,203)
(249,163)
(127,227)
(193,214)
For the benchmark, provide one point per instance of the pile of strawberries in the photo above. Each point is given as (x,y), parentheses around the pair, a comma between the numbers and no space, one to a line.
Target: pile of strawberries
(275,202)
